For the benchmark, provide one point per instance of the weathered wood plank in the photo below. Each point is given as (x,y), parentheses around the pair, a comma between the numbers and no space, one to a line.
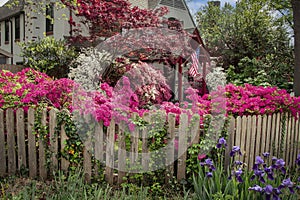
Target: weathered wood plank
(237,138)
(134,145)
(248,142)
(87,165)
(53,140)
(264,133)
(145,151)
(171,150)
(273,134)
(258,150)
(98,146)
(110,152)
(3,165)
(32,162)
(297,132)
(182,147)
(287,139)
(268,135)
(243,140)
(291,141)
(230,140)
(277,135)
(253,141)
(11,144)
(21,139)
(121,156)
(42,153)
(63,139)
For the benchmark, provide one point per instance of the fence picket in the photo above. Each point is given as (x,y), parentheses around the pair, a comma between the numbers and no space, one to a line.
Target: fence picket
(182,146)
(287,139)
(42,153)
(121,156)
(258,150)
(145,151)
(297,132)
(277,135)
(171,150)
(2,146)
(243,140)
(110,152)
(87,165)
(264,134)
(11,148)
(238,134)
(247,143)
(63,138)
(252,141)
(99,144)
(32,162)
(21,139)
(53,140)
(230,140)
(273,134)
(268,135)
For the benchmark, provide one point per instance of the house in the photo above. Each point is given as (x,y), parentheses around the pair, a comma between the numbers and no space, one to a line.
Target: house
(21,24)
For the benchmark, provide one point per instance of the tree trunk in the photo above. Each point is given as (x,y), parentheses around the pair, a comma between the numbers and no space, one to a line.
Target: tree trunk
(296,16)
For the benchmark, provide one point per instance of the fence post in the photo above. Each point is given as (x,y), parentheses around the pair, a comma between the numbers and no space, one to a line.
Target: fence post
(42,153)
(31,144)
(2,146)
(110,138)
(21,139)
(53,140)
(11,151)
(182,147)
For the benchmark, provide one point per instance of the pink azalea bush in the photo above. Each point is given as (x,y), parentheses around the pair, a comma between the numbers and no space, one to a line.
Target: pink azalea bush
(31,88)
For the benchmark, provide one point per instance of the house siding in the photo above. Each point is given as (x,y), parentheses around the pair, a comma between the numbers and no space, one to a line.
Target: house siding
(33,25)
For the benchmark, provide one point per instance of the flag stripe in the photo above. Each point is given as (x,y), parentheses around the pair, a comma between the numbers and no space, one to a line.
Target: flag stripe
(193,71)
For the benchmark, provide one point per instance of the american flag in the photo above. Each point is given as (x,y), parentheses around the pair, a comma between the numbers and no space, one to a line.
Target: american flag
(193,71)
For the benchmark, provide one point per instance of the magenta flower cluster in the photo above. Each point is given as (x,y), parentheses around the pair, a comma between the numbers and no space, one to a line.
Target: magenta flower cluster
(32,88)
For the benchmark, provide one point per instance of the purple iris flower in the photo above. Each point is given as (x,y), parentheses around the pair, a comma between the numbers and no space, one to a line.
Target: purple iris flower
(222,142)
(269,171)
(209,163)
(256,188)
(258,161)
(298,160)
(238,174)
(237,162)
(235,149)
(279,164)
(209,174)
(266,154)
(287,183)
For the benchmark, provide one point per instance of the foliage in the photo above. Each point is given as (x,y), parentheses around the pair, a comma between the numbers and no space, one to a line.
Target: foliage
(74,186)
(267,180)
(249,34)
(49,56)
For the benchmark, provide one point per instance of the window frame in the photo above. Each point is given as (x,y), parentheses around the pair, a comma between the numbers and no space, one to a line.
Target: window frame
(6,31)
(49,25)
(17,28)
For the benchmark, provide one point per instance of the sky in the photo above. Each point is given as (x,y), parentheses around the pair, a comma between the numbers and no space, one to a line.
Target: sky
(193,4)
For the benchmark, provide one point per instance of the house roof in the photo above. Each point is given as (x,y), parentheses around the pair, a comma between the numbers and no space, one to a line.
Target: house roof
(6,12)
(5,53)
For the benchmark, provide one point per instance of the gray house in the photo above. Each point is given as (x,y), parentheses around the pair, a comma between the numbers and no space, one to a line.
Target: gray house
(21,24)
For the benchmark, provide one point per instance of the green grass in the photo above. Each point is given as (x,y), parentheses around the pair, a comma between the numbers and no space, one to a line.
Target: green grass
(74,187)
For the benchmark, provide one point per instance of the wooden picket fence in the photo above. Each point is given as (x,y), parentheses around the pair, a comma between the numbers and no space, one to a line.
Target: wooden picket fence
(278,134)
(21,149)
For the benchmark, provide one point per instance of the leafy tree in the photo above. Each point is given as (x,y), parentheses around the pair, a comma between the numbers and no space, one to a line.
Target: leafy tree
(296,13)
(249,30)
(49,55)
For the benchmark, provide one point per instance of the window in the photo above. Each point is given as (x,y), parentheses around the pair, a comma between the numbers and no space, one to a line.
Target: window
(17,28)
(49,19)
(6,30)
